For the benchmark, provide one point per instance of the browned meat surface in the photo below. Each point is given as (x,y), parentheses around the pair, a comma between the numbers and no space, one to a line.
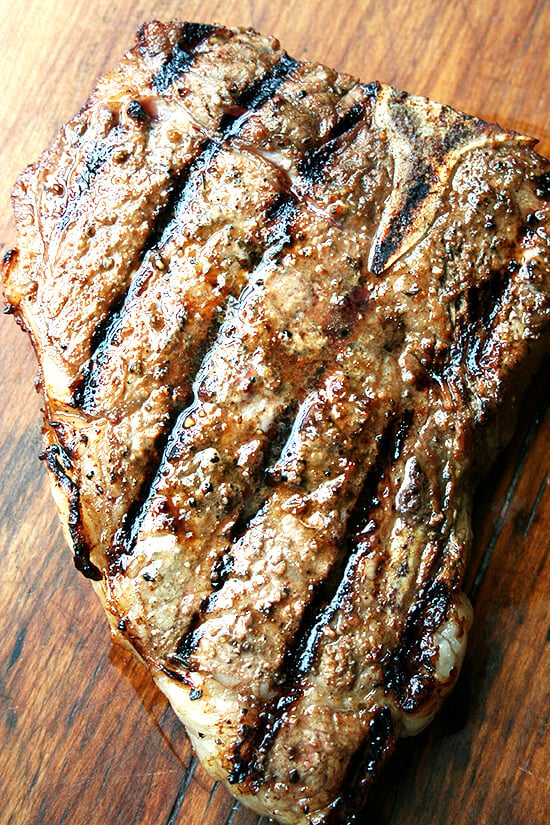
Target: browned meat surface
(283,321)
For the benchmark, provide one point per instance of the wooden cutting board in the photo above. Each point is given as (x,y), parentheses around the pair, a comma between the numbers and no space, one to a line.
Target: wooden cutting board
(85,738)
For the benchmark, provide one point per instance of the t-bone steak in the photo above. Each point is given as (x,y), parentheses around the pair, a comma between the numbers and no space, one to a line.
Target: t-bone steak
(283,320)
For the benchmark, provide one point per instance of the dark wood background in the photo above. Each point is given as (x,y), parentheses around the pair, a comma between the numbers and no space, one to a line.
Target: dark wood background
(84,737)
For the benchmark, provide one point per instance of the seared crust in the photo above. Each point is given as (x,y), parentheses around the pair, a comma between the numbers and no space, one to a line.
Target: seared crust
(307,308)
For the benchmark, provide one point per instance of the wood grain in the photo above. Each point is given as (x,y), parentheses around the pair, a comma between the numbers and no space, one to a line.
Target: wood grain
(85,738)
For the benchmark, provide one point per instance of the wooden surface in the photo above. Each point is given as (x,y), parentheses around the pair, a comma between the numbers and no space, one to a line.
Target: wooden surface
(84,737)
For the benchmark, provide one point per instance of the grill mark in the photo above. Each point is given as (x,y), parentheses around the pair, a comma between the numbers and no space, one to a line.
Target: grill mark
(83,390)
(329,597)
(221,571)
(334,591)
(362,768)
(179,194)
(187,644)
(171,436)
(474,326)
(401,433)
(97,158)
(301,658)
(311,165)
(58,461)
(223,566)
(404,675)
(125,534)
(282,430)
(484,299)
(484,304)
(390,448)
(182,191)
(281,213)
(399,225)
(174,674)
(254,96)
(183,55)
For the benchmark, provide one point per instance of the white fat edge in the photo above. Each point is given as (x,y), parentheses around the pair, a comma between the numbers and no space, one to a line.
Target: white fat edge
(279,160)
(203,722)
(56,379)
(170,113)
(152,546)
(150,609)
(450,641)
(202,717)
(63,507)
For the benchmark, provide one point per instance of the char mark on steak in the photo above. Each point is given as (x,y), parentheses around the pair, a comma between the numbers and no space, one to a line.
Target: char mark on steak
(281,213)
(312,163)
(329,596)
(58,463)
(365,764)
(279,217)
(256,95)
(180,60)
(183,187)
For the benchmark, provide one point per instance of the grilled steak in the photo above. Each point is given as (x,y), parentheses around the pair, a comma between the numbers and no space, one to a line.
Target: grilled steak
(283,321)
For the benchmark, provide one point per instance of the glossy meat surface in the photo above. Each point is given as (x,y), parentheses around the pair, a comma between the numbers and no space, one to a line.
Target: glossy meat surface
(283,321)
